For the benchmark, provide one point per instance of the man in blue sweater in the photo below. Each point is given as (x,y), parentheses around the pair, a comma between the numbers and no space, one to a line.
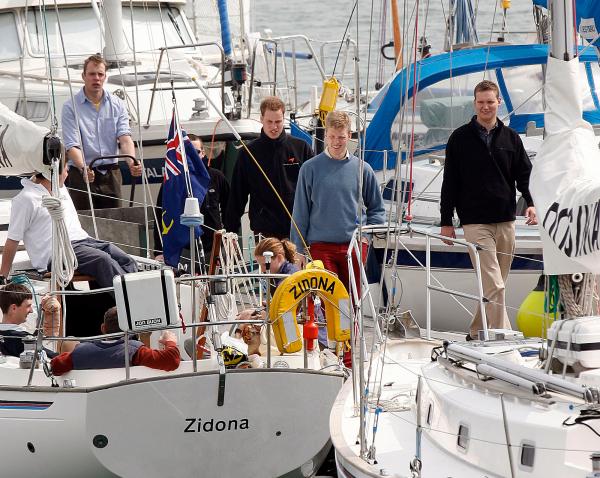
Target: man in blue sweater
(326,200)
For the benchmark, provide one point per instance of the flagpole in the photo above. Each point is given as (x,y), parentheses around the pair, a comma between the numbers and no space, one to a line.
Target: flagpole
(186,171)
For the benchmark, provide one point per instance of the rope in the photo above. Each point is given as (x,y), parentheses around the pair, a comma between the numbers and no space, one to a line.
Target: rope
(64,261)
(577,297)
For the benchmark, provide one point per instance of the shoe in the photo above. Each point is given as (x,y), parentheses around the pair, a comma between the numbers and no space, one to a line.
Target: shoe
(468,338)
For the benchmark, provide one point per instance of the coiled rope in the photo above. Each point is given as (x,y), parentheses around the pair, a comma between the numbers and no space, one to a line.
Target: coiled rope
(64,261)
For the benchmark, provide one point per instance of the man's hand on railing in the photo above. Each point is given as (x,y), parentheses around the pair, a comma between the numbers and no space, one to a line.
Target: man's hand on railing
(135,168)
(448,231)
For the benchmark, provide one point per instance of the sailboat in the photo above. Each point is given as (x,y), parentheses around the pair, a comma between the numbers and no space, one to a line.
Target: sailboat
(423,103)
(504,406)
(203,419)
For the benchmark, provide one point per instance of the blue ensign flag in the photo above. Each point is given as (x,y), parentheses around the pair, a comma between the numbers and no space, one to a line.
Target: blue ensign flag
(176,236)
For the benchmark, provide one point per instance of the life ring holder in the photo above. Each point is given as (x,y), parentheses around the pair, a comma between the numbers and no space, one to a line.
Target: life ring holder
(293,290)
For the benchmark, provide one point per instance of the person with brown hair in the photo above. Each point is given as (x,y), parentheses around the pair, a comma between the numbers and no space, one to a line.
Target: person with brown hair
(327,199)
(99,127)
(31,223)
(284,256)
(16,303)
(484,161)
(102,354)
(282,262)
(280,157)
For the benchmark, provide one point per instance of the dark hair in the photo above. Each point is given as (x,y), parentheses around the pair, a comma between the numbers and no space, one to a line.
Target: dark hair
(97,59)
(13,294)
(486,85)
(61,166)
(195,137)
(111,321)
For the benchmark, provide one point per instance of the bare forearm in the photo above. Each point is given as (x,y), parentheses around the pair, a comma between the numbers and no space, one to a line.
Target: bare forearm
(8,255)
(126,146)
(74,154)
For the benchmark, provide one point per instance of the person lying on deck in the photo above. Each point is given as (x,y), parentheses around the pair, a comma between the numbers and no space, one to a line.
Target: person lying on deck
(16,305)
(30,222)
(103,354)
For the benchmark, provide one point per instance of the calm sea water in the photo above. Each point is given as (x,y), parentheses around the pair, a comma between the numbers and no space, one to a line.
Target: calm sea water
(327,19)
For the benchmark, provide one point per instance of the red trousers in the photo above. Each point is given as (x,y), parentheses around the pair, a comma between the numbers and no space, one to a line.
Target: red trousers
(334,259)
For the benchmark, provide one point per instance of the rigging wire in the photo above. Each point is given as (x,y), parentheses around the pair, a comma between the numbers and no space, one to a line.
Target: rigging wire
(344,36)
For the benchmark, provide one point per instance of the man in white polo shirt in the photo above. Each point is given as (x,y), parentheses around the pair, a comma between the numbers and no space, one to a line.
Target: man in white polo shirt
(30,222)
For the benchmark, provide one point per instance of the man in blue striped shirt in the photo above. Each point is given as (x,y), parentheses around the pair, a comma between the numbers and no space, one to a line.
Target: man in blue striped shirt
(96,124)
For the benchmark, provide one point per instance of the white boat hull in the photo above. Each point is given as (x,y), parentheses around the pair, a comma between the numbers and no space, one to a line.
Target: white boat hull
(450,398)
(272,423)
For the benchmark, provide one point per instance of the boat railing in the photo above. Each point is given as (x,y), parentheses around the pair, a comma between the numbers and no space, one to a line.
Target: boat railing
(178,47)
(474,252)
(279,49)
(212,321)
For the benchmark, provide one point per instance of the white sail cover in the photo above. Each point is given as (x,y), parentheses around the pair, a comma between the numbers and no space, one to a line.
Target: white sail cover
(21,144)
(565,180)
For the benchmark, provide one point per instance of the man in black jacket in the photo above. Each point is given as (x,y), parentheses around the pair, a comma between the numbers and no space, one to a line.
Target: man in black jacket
(484,161)
(280,156)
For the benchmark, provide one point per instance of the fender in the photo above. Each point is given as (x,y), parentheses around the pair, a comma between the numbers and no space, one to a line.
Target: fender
(290,293)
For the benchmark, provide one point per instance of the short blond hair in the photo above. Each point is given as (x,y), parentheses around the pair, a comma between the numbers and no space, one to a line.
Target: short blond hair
(271,103)
(338,119)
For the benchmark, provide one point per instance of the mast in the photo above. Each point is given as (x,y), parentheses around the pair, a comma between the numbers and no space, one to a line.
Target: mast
(564,38)
(115,48)
(397,36)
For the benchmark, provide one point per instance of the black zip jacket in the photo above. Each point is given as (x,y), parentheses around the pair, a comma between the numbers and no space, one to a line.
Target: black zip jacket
(281,159)
(480,183)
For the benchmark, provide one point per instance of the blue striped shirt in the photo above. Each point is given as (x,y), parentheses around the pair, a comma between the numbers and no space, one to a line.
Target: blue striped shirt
(100,128)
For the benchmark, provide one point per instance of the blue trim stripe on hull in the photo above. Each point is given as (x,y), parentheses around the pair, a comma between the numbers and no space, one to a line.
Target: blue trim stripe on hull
(461,260)
(23,405)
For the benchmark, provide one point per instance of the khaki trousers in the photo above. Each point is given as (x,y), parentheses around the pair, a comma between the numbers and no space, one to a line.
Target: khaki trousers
(498,246)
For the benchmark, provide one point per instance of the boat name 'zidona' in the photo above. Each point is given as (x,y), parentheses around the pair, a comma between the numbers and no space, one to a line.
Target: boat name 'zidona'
(198,425)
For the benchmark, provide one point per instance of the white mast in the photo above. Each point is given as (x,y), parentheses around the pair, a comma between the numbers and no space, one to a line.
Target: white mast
(115,48)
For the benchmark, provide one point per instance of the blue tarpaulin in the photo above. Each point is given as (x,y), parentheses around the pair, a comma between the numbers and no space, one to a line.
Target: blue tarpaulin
(440,67)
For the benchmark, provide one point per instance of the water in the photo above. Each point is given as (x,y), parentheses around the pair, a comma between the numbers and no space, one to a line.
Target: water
(327,19)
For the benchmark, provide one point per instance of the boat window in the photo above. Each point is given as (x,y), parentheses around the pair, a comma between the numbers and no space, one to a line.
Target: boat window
(527,454)
(149,30)
(440,109)
(590,85)
(10,47)
(34,110)
(524,86)
(82,35)
(463,437)
(80,29)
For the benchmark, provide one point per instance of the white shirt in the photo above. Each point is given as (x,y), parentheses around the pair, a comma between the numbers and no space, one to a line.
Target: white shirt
(30,222)
(16,327)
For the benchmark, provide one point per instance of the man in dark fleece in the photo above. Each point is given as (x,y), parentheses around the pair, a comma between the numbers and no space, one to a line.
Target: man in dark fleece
(484,161)
(280,156)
